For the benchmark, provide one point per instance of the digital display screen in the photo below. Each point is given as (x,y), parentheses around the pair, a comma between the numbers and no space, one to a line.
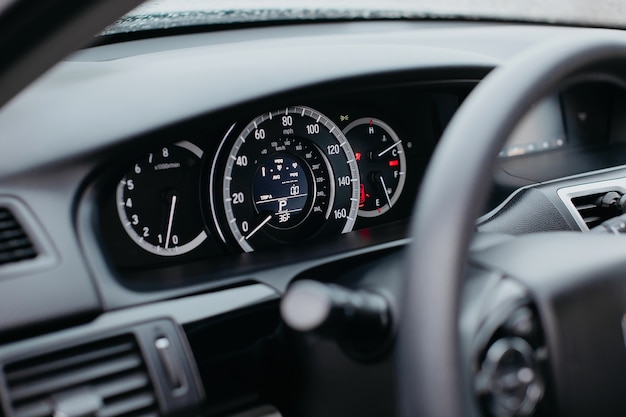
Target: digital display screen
(281,189)
(540,130)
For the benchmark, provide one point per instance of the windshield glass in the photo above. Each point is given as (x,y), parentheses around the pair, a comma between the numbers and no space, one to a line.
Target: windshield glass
(165,14)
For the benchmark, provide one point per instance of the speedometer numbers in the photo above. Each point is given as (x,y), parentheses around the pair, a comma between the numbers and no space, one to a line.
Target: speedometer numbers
(289,175)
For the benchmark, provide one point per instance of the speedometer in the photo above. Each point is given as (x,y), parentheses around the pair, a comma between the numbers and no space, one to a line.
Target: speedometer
(289,175)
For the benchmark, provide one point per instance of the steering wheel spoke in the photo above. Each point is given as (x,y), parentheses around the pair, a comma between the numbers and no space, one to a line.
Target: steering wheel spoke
(577,284)
(503,344)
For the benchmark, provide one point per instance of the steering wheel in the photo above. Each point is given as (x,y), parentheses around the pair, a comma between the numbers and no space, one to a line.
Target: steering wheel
(459,350)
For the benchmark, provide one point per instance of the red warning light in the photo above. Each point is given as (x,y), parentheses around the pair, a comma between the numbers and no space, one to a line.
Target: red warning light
(394,163)
(357,156)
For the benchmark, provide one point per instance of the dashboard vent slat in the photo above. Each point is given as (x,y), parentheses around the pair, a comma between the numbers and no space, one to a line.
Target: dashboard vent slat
(113,370)
(35,409)
(75,377)
(123,385)
(128,405)
(89,356)
(15,245)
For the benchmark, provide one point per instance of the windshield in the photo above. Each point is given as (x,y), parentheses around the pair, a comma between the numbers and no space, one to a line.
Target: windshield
(166,14)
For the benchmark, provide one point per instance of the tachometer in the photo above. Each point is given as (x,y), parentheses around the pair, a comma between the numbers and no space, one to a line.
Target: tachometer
(157,200)
(289,175)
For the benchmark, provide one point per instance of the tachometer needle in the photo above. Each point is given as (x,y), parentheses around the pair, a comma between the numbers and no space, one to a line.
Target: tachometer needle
(170,221)
(382,182)
(389,148)
(256,229)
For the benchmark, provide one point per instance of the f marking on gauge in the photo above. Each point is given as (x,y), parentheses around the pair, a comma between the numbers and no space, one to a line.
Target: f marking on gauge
(382,164)
(290,174)
(157,200)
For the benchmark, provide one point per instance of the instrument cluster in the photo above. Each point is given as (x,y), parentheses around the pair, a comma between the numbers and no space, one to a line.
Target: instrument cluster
(282,177)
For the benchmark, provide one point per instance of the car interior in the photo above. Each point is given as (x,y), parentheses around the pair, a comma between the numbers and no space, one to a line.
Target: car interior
(368,217)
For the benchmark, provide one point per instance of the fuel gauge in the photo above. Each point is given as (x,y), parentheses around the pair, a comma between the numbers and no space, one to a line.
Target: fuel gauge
(382,164)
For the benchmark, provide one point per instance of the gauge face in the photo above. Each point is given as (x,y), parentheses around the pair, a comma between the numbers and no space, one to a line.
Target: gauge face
(289,175)
(157,201)
(382,164)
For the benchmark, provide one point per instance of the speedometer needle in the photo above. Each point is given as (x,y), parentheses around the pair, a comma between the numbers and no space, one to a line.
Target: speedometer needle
(256,229)
(170,221)
(382,182)
(389,148)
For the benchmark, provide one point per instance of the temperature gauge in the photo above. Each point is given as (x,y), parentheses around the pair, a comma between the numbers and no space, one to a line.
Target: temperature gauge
(382,164)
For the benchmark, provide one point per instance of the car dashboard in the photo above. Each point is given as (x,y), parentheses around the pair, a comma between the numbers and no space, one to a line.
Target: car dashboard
(171,188)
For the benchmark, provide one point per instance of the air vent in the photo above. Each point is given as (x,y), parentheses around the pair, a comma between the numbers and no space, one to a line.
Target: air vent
(590,209)
(103,379)
(15,245)
(597,208)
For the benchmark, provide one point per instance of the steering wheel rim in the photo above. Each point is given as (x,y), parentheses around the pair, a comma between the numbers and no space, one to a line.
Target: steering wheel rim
(433,377)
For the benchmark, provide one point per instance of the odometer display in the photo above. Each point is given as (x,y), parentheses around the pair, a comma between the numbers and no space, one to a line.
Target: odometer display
(289,175)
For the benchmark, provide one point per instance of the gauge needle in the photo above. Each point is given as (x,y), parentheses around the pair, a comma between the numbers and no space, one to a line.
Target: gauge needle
(170,221)
(389,148)
(256,229)
(382,182)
